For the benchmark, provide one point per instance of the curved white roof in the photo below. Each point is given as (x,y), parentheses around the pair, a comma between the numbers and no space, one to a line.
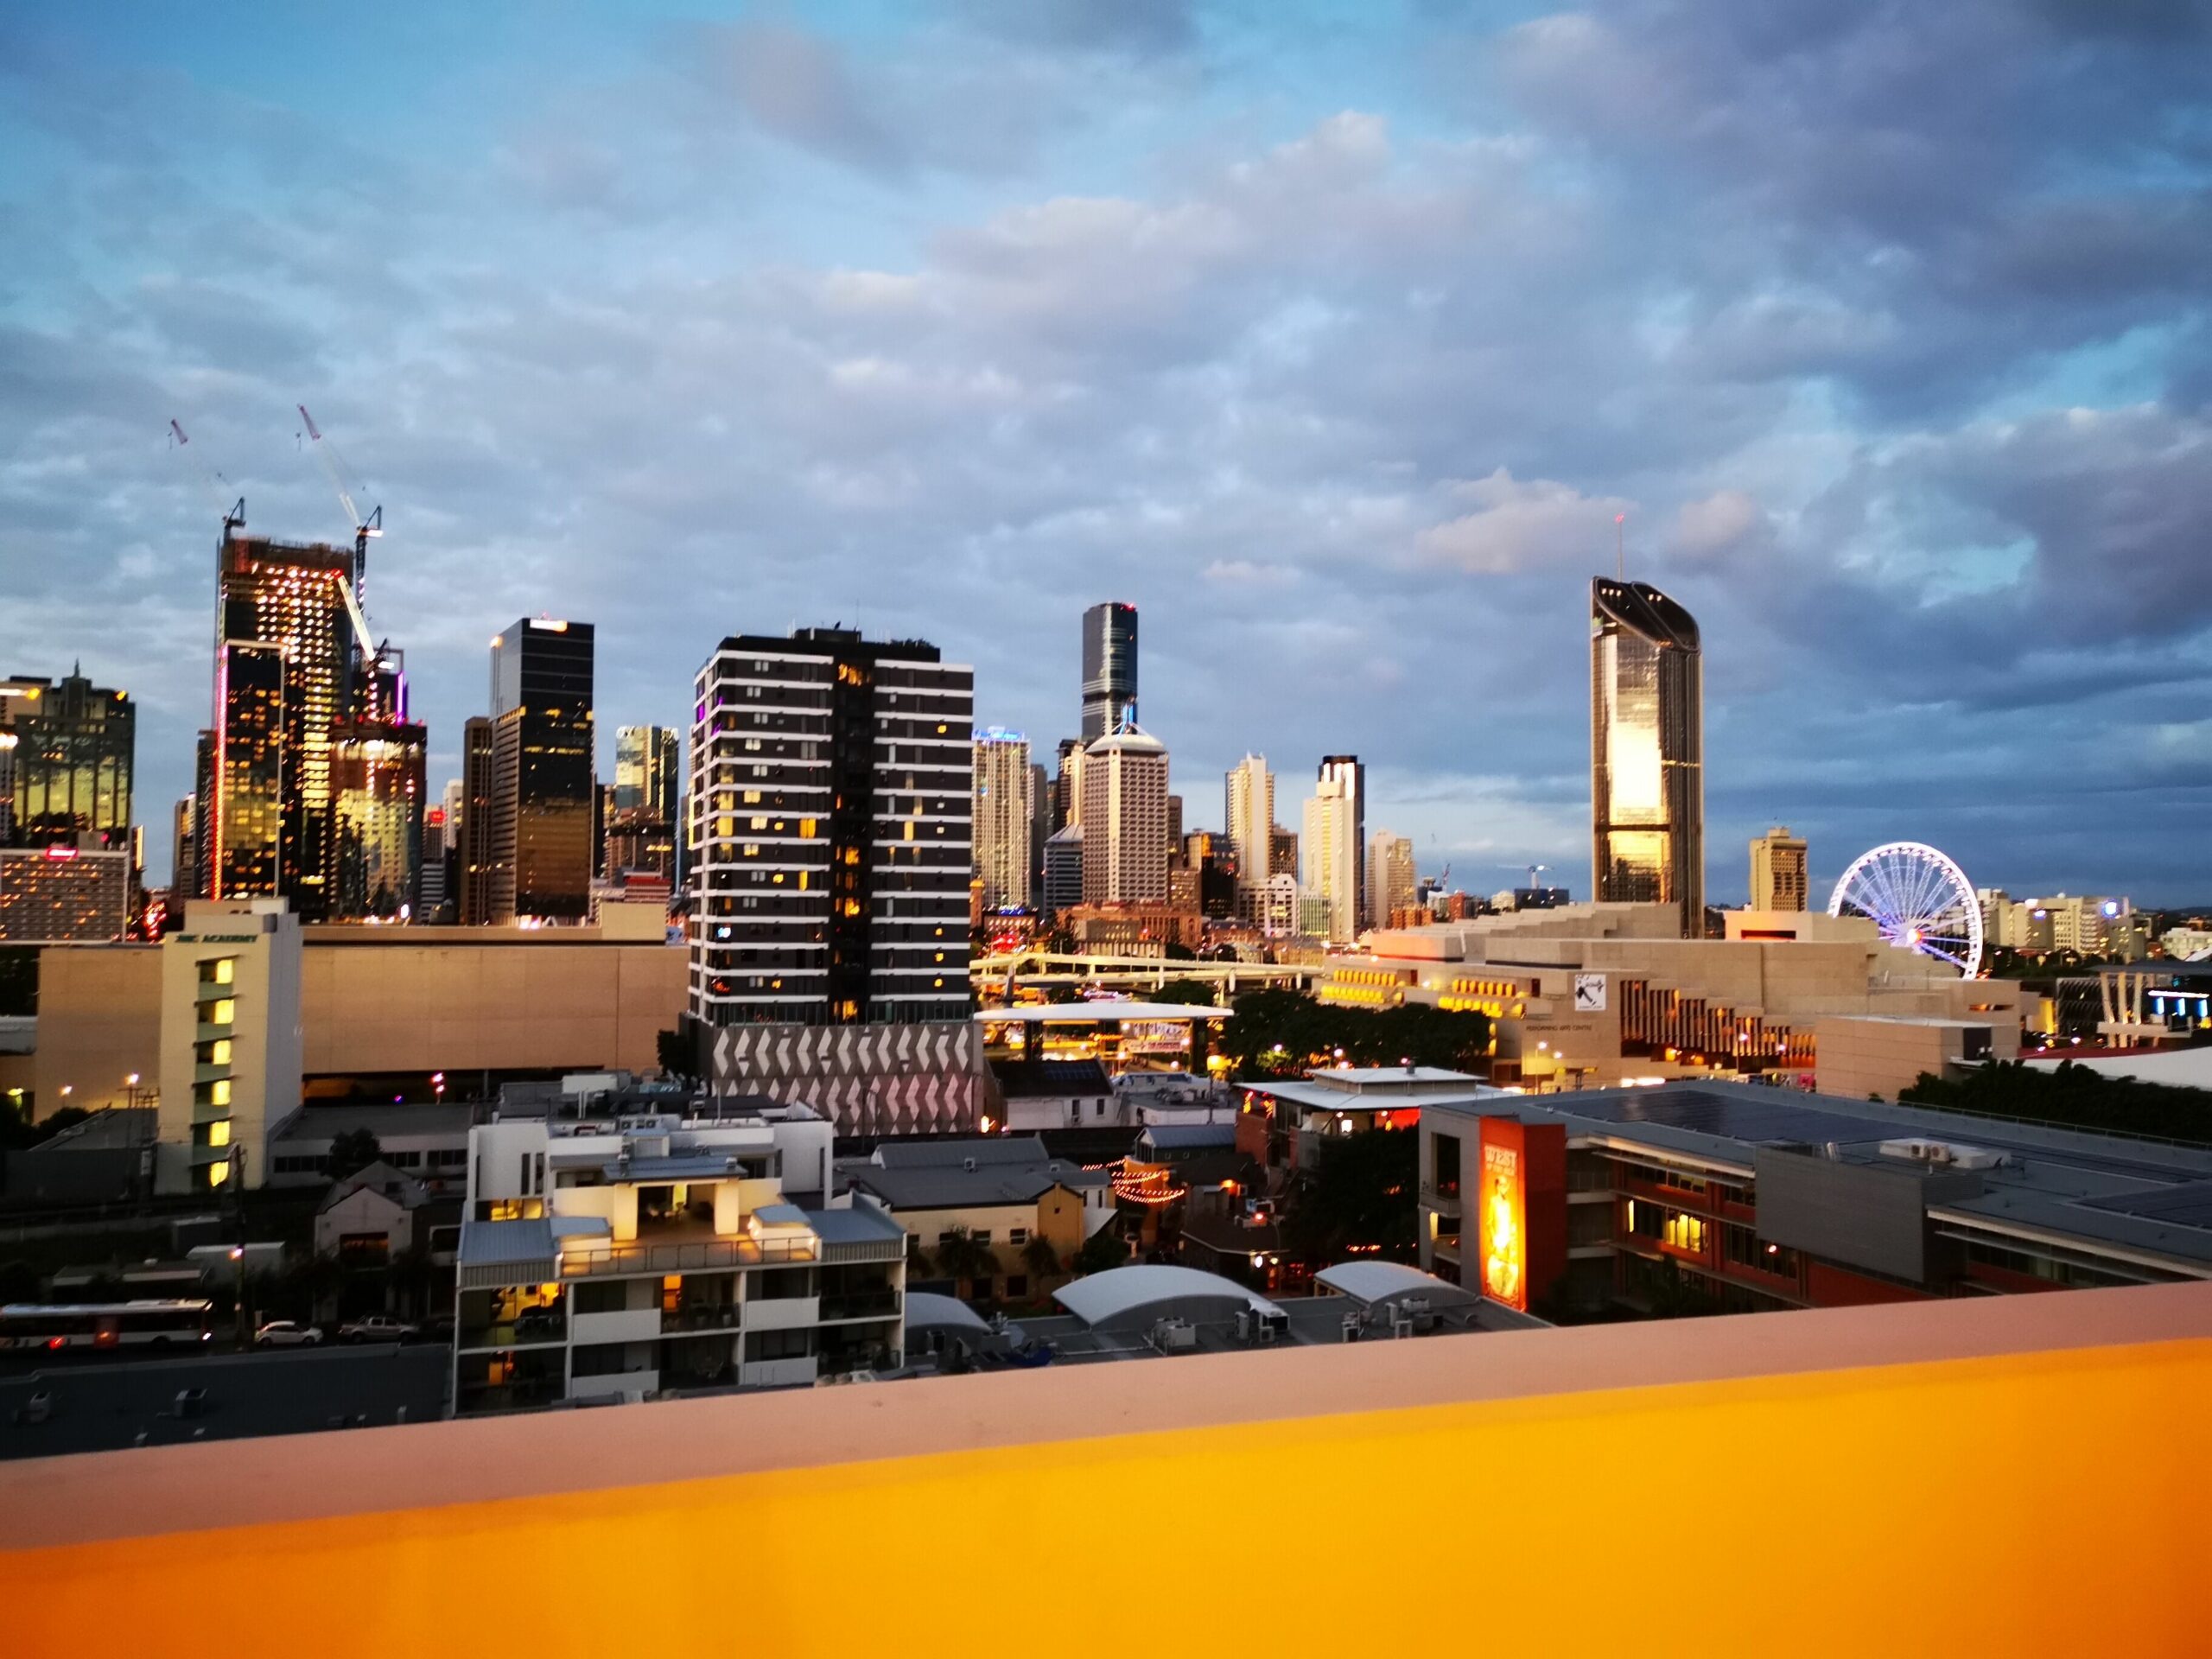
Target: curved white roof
(1370,1282)
(1120,1292)
(925,1307)
(1132,740)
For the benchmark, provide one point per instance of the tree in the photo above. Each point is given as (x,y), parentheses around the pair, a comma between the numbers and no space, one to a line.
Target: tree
(963,1258)
(1104,1250)
(1040,1258)
(353,1152)
(1191,992)
(1176,950)
(2078,1097)
(1360,1192)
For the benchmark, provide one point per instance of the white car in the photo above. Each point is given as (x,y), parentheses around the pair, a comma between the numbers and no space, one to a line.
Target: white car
(378,1327)
(287,1333)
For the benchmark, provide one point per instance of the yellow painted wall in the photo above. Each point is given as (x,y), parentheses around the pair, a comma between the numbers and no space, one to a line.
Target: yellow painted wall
(2043,1502)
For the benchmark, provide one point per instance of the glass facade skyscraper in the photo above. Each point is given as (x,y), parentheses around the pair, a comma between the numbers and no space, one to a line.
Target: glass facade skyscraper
(542,770)
(1647,750)
(1109,667)
(66,750)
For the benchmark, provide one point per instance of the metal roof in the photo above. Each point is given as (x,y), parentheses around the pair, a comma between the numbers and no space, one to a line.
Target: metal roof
(1088,1014)
(1119,1292)
(926,1309)
(980,1188)
(488,1242)
(1368,1282)
(857,1223)
(956,1152)
(1189,1137)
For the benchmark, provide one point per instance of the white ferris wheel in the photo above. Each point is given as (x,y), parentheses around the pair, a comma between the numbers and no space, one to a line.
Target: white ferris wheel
(1919,897)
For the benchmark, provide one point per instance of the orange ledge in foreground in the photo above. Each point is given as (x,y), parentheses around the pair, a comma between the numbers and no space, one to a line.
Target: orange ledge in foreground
(2014,1475)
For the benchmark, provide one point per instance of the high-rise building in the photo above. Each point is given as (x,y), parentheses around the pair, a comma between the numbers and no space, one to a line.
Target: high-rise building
(648,770)
(1647,745)
(1346,771)
(1040,827)
(61,893)
(1282,850)
(1332,850)
(285,674)
(1391,880)
(1247,817)
(66,753)
(1125,818)
(1004,815)
(1778,871)
(182,857)
(1175,831)
(1109,667)
(1210,857)
(832,785)
(486,887)
(543,753)
(377,798)
(430,886)
(1063,870)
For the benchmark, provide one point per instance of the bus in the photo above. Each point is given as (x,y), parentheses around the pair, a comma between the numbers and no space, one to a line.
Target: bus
(56,1325)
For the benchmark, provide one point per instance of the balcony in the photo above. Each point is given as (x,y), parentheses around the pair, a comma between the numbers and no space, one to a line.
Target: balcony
(538,1329)
(689,1255)
(1787,1403)
(860,1305)
(1443,1197)
(686,1321)
(508,1396)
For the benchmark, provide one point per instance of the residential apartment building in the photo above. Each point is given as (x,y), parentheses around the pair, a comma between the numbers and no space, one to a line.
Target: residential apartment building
(1350,776)
(1392,882)
(1247,818)
(1125,818)
(63,892)
(1330,848)
(1005,815)
(631,1242)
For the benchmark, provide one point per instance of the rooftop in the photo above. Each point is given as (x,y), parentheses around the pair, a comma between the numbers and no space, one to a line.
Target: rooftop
(1024,1079)
(1083,1013)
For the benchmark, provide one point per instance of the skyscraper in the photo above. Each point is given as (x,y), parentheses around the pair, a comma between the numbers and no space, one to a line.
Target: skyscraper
(1109,666)
(66,752)
(182,859)
(1778,871)
(1248,817)
(1125,818)
(378,794)
(832,788)
(483,887)
(1647,741)
(1332,862)
(648,770)
(1346,771)
(285,665)
(1391,880)
(542,772)
(1004,815)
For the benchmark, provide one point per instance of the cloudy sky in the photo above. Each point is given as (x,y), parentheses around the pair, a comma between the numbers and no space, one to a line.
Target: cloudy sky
(1333,337)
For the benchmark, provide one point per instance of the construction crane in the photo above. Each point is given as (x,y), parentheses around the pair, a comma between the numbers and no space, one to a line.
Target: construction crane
(218,485)
(334,465)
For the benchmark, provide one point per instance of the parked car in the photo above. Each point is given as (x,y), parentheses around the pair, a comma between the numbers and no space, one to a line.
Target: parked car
(287,1333)
(378,1327)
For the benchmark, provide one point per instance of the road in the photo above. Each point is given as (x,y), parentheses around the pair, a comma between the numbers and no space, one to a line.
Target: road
(294,1391)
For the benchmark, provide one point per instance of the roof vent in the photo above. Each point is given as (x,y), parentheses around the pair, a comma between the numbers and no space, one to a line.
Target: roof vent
(968,1164)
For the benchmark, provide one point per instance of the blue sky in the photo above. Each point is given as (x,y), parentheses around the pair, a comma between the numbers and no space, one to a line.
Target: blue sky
(1334,337)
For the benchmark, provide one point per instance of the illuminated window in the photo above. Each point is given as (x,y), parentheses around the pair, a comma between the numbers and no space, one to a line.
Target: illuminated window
(222,1013)
(219,1052)
(218,1173)
(219,1133)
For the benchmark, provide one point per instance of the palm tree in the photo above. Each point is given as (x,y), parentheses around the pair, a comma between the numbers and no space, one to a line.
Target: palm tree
(1041,1259)
(963,1258)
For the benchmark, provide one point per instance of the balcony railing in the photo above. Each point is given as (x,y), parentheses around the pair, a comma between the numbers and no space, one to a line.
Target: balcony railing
(682,1258)
(508,1396)
(889,1249)
(515,1333)
(860,1305)
(1440,1194)
(718,1316)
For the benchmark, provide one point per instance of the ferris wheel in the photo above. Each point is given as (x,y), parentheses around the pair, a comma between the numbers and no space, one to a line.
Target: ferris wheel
(1919,897)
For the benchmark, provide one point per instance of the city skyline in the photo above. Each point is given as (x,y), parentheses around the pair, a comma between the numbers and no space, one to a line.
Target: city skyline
(1872,496)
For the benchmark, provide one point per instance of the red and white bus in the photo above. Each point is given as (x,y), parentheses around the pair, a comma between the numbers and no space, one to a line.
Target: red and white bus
(57,1325)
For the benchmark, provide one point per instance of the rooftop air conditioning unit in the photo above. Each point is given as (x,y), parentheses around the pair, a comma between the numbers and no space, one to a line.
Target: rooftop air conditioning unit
(968,1164)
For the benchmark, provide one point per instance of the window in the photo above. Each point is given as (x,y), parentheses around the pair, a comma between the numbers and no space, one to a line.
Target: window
(604,1359)
(1017,1286)
(780,1284)
(605,1298)
(365,1249)
(1017,1235)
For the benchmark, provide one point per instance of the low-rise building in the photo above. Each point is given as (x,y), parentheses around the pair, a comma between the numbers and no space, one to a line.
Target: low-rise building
(609,1252)
(1727,1197)
(1005,1192)
(1056,1094)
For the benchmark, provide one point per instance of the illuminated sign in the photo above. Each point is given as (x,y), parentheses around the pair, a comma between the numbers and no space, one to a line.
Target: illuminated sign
(1503,1235)
(61,852)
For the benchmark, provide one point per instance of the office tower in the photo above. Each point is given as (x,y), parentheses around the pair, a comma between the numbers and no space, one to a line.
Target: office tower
(1175,831)
(1004,814)
(66,752)
(485,889)
(1109,667)
(377,798)
(1210,858)
(833,783)
(1778,871)
(543,756)
(181,854)
(1063,870)
(1331,845)
(58,893)
(1040,828)
(1647,737)
(1125,818)
(1346,771)
(1282,851)
(430,882)
(1391,882)
(1247,817)
(285,667)
(648,773)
